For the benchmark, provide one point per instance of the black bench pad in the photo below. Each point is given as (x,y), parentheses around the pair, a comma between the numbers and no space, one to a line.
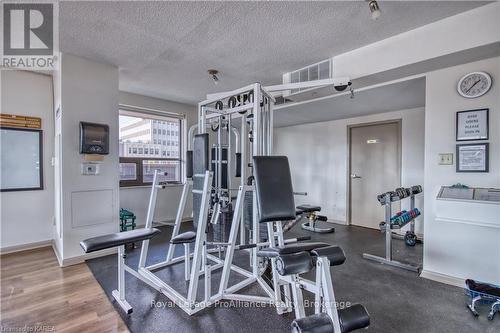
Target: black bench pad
(294,263)
(269,252)
(309,208)
(185,237)
(334,254)
(120,238)
(353,318)
(316,323)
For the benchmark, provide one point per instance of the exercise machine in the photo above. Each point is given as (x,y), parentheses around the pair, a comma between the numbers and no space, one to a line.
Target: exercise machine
(210,183)
(310,213)
(274,194)
(390,224)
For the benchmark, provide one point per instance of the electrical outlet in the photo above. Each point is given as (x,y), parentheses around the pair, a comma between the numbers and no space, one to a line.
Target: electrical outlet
(446,159)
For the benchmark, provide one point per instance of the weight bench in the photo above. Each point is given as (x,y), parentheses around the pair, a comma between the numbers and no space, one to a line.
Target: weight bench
(275,201)
(119,240)
(310,213)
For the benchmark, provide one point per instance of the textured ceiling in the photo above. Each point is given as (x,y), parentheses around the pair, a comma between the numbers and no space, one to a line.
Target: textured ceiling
(163,49)
(398,96)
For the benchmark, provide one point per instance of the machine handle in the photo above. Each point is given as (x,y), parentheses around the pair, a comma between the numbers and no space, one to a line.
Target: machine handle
(355,176)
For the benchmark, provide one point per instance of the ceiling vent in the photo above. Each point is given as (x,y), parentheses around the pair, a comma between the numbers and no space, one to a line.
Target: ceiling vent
(318,71)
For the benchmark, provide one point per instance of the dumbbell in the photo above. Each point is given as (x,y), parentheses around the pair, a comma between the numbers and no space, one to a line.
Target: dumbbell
(410,238)
(381,197)
(400,192)
(398,215)
(416,189)
(404,192)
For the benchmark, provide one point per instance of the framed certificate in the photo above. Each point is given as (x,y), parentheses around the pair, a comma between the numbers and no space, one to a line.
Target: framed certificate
(472,125)
(473,157)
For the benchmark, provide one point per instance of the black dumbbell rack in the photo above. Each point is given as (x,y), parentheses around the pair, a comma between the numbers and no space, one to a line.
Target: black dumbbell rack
(387,203)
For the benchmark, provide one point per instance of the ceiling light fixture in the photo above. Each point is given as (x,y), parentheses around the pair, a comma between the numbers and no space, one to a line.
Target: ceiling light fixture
(374,9)
(213,74)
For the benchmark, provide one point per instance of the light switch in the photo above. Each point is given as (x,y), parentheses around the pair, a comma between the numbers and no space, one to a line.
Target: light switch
(446,159)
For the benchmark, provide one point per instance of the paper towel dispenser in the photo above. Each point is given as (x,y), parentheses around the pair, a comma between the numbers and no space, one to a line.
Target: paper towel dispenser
(94,138)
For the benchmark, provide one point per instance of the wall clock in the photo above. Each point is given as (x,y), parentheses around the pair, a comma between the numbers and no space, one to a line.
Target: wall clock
(474,84)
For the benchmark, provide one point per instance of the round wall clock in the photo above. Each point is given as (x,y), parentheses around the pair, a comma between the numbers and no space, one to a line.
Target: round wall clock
(474,84)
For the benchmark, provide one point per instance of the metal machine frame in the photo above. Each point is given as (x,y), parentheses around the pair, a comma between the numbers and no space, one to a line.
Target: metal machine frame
(202,262)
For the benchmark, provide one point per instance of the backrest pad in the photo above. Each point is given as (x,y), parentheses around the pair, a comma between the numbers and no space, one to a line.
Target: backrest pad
(273,184)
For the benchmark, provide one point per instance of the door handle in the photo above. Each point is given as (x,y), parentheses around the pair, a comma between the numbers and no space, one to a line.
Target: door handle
(355,176)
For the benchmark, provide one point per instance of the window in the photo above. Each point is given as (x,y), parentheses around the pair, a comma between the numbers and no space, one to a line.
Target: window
(142,150)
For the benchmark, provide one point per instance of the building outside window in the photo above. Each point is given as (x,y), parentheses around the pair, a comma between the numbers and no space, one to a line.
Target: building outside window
(141,145)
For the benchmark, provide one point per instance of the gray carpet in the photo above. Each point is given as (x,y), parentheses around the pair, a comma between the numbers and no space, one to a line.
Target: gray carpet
(397,300)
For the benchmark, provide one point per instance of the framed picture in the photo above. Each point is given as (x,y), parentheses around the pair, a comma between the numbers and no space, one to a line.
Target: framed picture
(21,166)
(473,157)
(472,125)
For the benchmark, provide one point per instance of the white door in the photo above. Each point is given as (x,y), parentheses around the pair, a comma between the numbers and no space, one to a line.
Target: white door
(374,169)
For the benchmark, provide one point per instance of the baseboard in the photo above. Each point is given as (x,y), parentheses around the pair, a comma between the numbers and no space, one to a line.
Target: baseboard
(25,247)
(337,222)
(79,259)
(56,252)
(443,278)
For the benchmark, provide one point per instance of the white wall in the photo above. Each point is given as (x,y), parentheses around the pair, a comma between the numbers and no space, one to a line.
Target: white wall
(136,199)
(318,158)
(90,204)
(27,216)
(459,250)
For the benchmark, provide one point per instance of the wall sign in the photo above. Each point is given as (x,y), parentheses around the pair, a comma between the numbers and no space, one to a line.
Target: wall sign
(472,125)
(473,157)
(10,120)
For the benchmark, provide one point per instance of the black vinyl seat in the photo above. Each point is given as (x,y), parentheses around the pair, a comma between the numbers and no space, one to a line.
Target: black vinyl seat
(316,323)
(334,254)
(117,239)
(353,318)
(309,208)
(185,237)
(273,252)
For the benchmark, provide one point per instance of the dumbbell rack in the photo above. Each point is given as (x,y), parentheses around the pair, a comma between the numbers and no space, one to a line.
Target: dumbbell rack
(388,235)
(411,222)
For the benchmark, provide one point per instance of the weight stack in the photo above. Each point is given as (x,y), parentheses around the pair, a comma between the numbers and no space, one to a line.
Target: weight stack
(220,232)
(200,165)
(248,216)
(214,152)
